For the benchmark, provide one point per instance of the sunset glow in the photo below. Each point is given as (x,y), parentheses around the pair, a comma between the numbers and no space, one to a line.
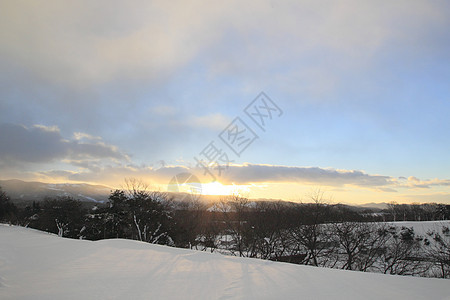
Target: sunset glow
(274,99)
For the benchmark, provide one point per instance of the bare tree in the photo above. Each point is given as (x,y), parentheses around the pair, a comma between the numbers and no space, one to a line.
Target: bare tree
(400,255)
(267,227)
(438,249)
(235,211)
(310,234)
(416,211)
(392,207)
(375,237)
(352,238)
(134,186)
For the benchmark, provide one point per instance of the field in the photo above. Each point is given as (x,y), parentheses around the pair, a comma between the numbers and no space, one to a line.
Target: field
(38,265)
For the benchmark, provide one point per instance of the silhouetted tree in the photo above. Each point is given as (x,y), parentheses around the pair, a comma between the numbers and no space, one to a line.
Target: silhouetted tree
(117,215)
(188,220)
(235,210)
(310,234)
(8,210)
(63,216)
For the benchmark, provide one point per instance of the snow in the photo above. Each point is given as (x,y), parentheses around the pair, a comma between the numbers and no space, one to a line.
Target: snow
(89,198)
(37,265)
(421,228)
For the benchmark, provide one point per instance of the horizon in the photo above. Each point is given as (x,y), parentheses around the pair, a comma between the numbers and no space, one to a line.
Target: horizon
(275,100)
(305,199)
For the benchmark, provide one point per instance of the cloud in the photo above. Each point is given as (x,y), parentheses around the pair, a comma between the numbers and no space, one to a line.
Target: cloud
(35,144)
(252,173)
(81,43)
(115,175)
(57,174)
(84,136)
(414,182)
(85,65)
(86,42)
(259,173)
(213,121)
(240,175)
(43,144)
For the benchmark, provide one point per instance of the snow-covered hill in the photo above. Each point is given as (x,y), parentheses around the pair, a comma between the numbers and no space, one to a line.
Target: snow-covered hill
(20,191)
(421,228)
(37,265)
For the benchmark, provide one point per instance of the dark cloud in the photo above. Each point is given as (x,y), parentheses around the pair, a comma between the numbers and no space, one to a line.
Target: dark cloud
(251,173)
(241,175)
(35,144)
(117,174)
(42,144)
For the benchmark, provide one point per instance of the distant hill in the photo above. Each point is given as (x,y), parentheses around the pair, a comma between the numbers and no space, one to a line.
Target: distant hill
(374,205)
(23,191)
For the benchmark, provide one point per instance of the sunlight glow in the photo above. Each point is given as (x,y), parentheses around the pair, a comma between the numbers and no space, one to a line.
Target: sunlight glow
(216,188)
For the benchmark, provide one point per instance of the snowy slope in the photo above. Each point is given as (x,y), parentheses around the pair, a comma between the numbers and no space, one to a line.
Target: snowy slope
(423,227)
(37,265)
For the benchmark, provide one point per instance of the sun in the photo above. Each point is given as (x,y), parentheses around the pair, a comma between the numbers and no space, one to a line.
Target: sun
(217,188)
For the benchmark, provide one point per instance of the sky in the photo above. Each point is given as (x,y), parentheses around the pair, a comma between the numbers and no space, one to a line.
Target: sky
(275,99)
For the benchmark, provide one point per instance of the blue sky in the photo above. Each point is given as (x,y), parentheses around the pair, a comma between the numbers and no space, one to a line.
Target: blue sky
(96,92)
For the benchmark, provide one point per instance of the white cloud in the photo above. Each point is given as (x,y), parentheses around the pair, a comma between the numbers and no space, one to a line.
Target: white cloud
(416,183)
(213,121)
(85,136)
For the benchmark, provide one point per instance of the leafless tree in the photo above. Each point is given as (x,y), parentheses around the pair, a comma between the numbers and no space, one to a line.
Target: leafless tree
(352,238)
(267,230)
(392,207)
(235,211)
(401,252)
(310,234)
(438,249)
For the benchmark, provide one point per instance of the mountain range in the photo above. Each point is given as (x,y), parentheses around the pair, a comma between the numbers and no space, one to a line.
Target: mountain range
(23,191)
